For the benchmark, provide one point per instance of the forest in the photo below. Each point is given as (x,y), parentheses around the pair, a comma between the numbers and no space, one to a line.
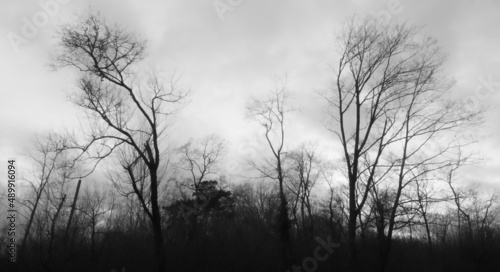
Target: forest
(120,195)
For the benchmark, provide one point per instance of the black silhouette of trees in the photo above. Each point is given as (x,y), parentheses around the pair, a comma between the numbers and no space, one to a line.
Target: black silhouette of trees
(394,192)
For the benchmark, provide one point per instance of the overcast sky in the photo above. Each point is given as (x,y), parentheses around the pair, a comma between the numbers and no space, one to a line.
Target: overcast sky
(226,56)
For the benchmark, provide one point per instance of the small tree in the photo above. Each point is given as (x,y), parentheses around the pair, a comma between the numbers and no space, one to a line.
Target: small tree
(200,158)
(304,168)
(93,206)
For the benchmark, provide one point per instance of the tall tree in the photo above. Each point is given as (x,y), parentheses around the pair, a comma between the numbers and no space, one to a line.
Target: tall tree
(125,111)
(271,114)
(389,103)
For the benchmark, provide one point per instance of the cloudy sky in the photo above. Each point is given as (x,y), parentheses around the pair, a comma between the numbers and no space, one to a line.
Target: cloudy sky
(227,55)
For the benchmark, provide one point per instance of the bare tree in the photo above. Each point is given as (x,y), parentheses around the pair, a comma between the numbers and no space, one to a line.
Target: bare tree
(304,172)
(458,196)
(338,198)
(200,158)
(51,163)
(256,204)
(486,212)
(389,103)
(124,111)
(271,114)
(55,200)
(425,196)
(442,225)
(94,207)
(476,210)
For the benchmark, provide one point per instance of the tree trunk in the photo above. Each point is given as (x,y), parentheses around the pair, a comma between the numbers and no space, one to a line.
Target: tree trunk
(428,231)
(156,222)
(73,206)
(284,222)
(352,224)
(92,241)
(302,214)
(30,222)
(311,219)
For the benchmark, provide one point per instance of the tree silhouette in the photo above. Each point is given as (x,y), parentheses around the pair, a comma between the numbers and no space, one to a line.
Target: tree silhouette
(125,113)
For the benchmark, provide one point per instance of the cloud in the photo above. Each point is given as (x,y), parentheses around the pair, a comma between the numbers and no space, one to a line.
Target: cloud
(225,62)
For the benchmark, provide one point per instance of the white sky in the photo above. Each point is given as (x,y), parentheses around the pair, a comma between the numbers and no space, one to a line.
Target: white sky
(225,61)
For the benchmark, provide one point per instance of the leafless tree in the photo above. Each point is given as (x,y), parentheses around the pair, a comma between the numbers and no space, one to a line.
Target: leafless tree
(390,103)
(459,196)
(54,203)
(52,164)
(475,209)
(442,225)
(336,203)
(256,204)
(425,196)
(124,111)
(304,166)
(94,207)
(200,158)
(271,114)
